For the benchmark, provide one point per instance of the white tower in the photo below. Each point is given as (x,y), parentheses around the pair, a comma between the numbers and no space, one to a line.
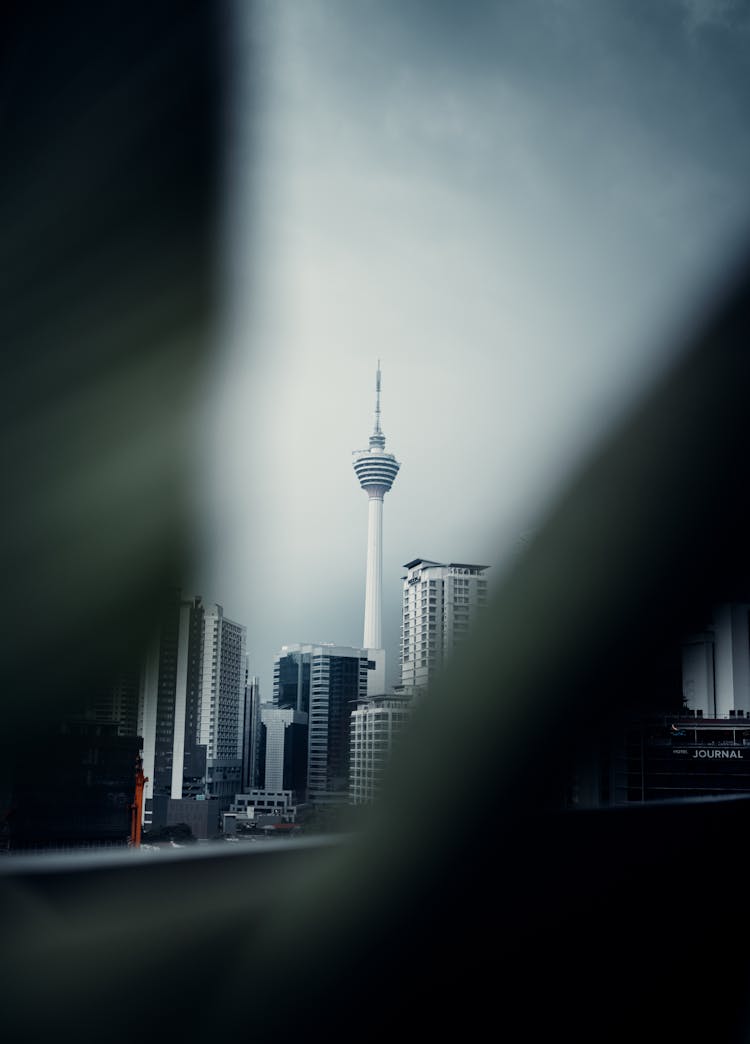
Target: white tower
(376,471)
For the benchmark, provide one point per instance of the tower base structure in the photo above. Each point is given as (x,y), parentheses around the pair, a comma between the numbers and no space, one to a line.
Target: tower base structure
(376,674)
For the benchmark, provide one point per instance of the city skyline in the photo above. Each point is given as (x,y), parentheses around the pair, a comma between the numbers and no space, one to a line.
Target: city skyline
(510,235)
(218,218)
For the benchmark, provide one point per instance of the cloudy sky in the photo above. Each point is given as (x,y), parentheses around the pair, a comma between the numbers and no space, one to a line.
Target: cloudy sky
(513,205)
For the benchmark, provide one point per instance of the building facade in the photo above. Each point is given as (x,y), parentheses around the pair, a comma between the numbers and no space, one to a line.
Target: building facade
(251,730)
(440,603)
(376,724)
(325,682)
(169,705)
(222,703)
(694,741)
(118,705)
(285,747)
(78,793)
(191,706)
(716,663)
(688,756)
(273,813)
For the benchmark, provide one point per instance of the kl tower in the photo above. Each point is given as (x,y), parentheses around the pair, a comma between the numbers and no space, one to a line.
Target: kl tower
(376,471)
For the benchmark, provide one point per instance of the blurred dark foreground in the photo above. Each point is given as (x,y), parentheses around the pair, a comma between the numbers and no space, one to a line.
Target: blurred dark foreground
(522,918)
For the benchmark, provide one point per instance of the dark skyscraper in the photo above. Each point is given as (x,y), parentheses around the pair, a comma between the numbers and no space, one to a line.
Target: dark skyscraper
(329,681)
(173,761)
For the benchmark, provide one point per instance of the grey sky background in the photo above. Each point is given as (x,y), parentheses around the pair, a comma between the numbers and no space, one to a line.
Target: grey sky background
(513,205)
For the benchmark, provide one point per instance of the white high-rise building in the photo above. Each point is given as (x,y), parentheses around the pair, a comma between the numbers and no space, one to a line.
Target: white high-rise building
(222,702)
(440,603)
(376,724)
(376,471)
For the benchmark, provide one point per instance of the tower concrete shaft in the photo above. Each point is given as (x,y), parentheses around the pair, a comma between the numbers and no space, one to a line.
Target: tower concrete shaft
(374,580)
(376,471)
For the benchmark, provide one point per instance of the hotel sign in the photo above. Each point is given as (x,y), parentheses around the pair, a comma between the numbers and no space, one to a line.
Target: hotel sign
(709,753)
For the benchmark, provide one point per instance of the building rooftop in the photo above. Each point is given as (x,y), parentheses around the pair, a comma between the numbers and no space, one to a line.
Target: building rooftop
(445,565)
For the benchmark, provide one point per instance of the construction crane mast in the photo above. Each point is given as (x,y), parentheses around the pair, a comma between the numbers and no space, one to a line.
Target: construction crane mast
(136,809)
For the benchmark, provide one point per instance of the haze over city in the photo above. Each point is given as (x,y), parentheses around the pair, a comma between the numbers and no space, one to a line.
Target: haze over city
(510,205)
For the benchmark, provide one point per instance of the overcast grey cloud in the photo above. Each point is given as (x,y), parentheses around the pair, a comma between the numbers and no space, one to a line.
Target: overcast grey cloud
(512,205)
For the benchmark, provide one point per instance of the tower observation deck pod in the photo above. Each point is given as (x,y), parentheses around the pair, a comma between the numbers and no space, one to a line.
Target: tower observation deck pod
(376,471)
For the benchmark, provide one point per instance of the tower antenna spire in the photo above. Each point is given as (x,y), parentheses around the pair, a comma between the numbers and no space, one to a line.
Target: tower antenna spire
(378,430)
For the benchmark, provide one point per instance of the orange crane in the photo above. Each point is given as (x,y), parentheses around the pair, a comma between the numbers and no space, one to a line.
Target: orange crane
(136,809)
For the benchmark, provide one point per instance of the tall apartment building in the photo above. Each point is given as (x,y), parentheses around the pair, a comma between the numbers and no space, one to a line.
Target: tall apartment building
(324,682)
(222,703)
(375,725)
(440,604)
(173,763)
(191,706)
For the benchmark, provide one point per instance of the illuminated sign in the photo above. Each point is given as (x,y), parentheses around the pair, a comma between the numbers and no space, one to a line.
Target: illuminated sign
(714,753)
(710,753)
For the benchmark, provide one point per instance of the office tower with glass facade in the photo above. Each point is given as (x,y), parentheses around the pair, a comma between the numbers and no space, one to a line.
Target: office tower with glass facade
(251,729)
(324,682)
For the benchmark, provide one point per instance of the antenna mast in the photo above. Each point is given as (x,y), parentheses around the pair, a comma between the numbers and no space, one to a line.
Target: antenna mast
(377,401)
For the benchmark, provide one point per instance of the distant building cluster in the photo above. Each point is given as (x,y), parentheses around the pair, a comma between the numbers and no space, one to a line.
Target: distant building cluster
(211,755)
(698,744)
(191,711)
(187,728)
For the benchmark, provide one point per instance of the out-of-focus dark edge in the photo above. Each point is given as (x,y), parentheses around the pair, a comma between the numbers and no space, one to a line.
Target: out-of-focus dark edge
(111,129)
(469,900)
